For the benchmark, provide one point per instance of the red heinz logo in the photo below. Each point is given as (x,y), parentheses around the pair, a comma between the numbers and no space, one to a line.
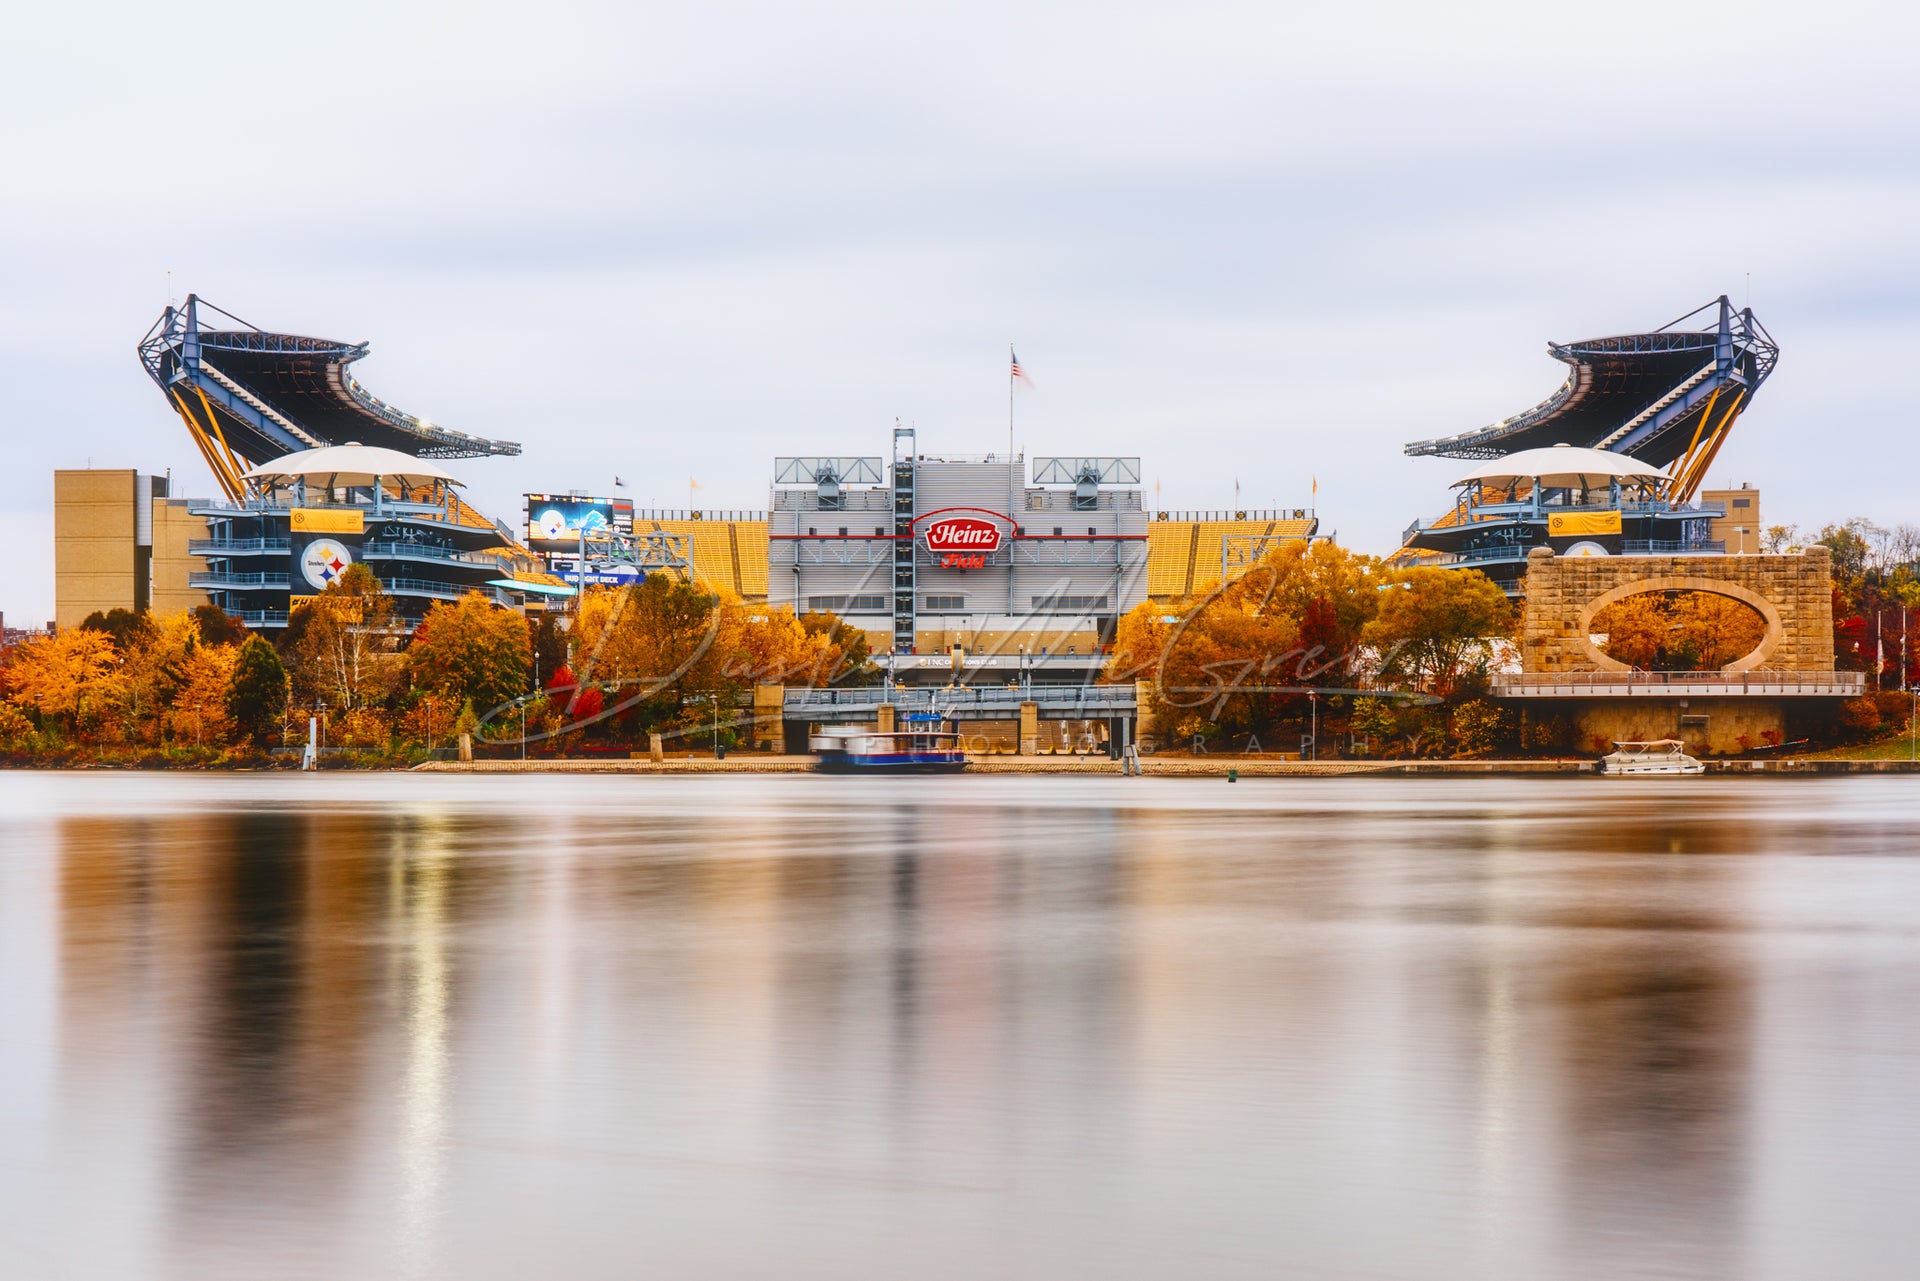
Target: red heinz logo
(963,534)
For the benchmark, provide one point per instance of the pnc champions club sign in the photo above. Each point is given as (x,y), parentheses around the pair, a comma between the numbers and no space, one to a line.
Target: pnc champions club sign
(324,543)
(962,542)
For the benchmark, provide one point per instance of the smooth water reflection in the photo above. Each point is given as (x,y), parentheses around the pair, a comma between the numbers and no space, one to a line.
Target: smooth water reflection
(472,1027)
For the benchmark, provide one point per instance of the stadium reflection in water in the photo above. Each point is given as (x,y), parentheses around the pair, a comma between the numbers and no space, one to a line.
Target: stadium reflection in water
(468,1027)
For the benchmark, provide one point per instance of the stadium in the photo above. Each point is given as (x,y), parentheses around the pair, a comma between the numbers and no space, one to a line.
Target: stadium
(248,396)
(1613,462)
(928,553)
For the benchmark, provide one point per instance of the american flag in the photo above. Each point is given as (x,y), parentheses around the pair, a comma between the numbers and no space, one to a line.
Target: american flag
(1019,374)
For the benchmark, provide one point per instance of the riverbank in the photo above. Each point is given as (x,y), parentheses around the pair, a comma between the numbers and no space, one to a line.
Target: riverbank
(1157,767)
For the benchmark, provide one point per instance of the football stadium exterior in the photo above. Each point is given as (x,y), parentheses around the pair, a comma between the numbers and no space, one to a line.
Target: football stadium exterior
(303,519)
(248,396)
(928,554)
(1648,413)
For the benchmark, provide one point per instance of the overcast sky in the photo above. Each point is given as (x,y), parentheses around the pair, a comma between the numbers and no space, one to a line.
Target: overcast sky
(1242,242)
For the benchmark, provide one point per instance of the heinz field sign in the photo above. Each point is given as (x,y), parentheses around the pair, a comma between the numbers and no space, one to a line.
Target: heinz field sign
(963,542)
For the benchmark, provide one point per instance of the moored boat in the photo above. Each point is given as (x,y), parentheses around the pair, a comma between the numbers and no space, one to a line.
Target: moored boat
(925,749)
(1658,756)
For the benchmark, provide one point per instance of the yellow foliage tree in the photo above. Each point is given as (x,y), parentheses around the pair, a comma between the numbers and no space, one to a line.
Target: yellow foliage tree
(198,713)
(155,668)
(343,647)
(471,649)
(1436,626)
(70,679)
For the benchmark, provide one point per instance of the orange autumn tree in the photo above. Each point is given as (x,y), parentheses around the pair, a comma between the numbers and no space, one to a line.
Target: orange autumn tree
(70,679)
(1678,631)
(1236,657)
(471,650)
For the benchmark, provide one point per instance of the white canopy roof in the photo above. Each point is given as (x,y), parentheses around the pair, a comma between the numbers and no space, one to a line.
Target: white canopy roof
(1564,466)
(350,465)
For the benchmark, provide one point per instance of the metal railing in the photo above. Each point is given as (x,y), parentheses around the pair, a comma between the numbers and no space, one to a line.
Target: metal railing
(1503,513)
(713,515)
(1646,547)
(1676,684)
(1518,551)
(429,552)
(1250,513)
(1065,500)
(1005,697)
(438,590)
(215,578)
(236,546)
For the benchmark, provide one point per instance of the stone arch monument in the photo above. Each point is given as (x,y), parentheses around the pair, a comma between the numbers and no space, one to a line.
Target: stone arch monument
(1793,593)
(1742,706)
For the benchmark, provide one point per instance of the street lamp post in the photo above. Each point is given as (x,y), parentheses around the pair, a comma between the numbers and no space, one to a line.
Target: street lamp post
(429,729)
(1313,740)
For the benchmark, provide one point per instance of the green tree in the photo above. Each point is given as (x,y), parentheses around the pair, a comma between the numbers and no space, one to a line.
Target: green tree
(1851,545)
(257,693)
(471,650)
(1437,626)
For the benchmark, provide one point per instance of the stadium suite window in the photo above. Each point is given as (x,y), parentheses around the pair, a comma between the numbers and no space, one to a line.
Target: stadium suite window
(947,602)
(1057,531)
(839,604)
(843,531)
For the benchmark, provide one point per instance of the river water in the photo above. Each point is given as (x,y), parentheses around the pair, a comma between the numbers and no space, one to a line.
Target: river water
(377,1026)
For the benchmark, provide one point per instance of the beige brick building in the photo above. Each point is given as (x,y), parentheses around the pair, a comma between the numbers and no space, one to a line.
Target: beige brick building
(120,542)
(1740,528)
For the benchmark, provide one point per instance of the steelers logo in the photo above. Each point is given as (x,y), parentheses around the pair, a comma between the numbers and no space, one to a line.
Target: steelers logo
(324,562)
(551,524)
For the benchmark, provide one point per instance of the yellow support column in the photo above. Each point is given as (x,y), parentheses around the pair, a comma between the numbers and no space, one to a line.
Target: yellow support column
(769,716)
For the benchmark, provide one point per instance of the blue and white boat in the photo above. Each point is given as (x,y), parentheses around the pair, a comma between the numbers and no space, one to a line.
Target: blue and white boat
(919,748)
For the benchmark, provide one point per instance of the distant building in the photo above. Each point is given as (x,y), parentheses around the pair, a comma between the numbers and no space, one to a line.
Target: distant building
(120,541)
(1738,528)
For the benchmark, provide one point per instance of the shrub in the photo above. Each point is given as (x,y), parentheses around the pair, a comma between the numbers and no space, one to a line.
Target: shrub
(16,729)
(1860,717)
(1479,726)
(1547,732)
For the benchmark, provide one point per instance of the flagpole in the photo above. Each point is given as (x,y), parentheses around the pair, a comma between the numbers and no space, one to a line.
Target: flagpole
(1010,478)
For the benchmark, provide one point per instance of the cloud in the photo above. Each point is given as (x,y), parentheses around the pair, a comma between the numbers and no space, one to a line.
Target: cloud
(1239,241)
